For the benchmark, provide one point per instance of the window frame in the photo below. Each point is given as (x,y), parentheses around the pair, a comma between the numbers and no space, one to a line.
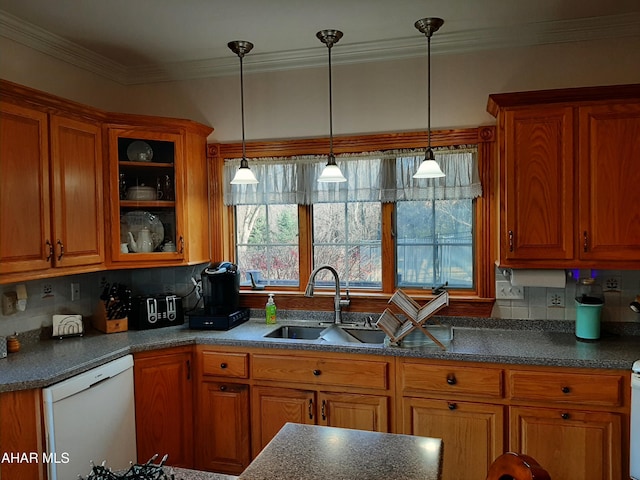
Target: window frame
(476,302)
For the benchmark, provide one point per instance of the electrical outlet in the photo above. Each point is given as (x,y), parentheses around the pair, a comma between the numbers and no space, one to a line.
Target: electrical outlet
(612,284)
(75,292)
(47,290)
(197,284)
(506,291)
(9,303)
(555,299)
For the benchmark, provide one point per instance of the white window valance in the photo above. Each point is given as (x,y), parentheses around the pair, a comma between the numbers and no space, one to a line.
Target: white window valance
(372,176)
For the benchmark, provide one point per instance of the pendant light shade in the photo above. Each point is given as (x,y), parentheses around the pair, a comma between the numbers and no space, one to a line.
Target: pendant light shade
(331,172)
(429,168)
(244,175)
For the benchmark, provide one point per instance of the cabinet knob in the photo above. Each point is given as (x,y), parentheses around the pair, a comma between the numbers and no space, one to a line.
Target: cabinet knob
(566,390)
(565,416)
(317,373)
(452,406)
(451,379)
(223,388)
(223,365)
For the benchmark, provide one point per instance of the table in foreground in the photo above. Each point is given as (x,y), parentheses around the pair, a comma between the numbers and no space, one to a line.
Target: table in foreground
(310,452)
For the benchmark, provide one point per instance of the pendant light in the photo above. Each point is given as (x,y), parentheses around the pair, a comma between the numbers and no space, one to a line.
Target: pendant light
(429,167)
(331,172)
(244,175)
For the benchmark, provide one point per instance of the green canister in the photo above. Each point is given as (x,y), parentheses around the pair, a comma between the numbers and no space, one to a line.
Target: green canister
(589,302)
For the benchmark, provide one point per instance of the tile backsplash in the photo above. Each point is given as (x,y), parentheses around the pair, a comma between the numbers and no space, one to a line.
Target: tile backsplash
(620,288)
(52,296)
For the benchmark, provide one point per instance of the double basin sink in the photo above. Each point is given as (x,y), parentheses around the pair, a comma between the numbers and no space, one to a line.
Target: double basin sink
(331,334)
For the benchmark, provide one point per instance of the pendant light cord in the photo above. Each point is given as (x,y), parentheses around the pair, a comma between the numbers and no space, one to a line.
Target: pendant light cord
(429,90)
(242,108)
(330,107)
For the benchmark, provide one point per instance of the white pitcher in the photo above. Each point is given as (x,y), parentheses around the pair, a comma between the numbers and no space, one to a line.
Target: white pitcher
(143,244)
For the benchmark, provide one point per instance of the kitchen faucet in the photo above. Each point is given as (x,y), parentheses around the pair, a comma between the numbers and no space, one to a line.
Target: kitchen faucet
(338,302)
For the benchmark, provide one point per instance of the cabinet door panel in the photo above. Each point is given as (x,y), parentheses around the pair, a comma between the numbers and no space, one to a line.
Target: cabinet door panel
(78,212)
(273,407)
(571,445)
(25,221)
(222,428)
(471,432)
(609,180)
(537,178)
(362,412)
(164,412)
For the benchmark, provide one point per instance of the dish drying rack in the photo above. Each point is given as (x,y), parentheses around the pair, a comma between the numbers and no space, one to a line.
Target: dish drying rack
(417,316)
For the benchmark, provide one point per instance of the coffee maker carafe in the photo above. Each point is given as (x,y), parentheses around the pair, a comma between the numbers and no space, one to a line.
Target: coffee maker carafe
(221,288)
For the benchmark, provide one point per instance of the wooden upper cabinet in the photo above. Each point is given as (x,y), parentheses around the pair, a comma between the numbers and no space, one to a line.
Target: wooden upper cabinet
(609,182)
(568,177)
(51,191)
(78,205)
(537,174)
(24,190)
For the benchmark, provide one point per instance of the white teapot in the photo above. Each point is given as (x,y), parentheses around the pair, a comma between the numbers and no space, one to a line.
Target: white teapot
(144,243)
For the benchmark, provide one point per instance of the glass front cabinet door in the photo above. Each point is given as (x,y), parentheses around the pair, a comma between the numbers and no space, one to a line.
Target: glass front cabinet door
(146,198)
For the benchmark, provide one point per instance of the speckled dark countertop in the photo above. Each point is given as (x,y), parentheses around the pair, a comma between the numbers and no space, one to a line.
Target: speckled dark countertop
(45,362)
(310,452)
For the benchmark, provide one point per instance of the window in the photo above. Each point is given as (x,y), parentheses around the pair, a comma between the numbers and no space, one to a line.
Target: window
(289,222)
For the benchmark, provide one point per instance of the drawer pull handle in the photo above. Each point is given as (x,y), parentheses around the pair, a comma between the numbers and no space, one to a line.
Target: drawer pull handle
(511,240)
(585,241)
(451,379)
(324,409)
(310,409)
(317,373)
(61,245)
(452,406)
(223,365)
(566,390)
(49,246)
(223,388)
(565,416)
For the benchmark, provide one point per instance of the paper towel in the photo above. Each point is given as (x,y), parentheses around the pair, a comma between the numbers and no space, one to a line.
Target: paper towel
(539,278)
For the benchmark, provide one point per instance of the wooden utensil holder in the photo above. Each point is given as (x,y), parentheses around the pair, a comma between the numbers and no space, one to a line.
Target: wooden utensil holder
(105,325)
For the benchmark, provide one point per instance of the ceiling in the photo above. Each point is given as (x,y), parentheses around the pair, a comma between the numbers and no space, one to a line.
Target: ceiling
(142,41)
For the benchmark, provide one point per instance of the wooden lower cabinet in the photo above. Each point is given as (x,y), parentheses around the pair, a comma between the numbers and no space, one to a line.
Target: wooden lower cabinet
(222,427)
(570,444)
(164,405)
(272,407)
(21,432)
(472,433)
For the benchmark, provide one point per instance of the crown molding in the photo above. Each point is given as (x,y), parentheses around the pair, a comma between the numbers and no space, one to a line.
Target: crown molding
(444,43)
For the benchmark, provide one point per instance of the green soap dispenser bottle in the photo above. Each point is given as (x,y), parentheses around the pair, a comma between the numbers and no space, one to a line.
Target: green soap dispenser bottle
(270,310)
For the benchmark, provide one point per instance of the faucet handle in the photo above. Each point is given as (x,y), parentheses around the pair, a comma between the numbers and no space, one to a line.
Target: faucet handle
(347,301)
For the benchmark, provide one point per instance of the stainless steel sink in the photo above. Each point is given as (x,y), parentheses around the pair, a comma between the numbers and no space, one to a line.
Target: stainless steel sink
(296,332)
(367,336)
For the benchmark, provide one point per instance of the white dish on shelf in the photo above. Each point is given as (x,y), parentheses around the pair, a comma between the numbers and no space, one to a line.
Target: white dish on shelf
(142,193)
(139,151)
(137,220)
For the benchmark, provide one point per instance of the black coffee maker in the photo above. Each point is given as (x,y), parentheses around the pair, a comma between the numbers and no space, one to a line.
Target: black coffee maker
(221,288)
(221,295)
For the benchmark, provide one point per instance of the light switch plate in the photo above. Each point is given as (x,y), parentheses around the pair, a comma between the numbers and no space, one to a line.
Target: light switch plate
(506,291)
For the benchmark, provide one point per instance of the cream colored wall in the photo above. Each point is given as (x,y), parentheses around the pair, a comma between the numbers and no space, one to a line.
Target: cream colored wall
(368,97)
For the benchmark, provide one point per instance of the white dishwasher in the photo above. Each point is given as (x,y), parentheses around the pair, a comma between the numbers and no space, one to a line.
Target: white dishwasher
(91,417)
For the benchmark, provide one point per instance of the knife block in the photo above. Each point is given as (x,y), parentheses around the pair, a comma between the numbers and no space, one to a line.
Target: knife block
(105,325)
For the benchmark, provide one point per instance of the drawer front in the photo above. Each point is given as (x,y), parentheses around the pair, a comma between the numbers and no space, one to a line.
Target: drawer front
(581,388)
(451,380)
(224,364)
(320,371)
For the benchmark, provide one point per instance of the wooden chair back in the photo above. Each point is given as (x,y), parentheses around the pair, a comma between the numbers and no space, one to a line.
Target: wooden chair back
(515,466)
